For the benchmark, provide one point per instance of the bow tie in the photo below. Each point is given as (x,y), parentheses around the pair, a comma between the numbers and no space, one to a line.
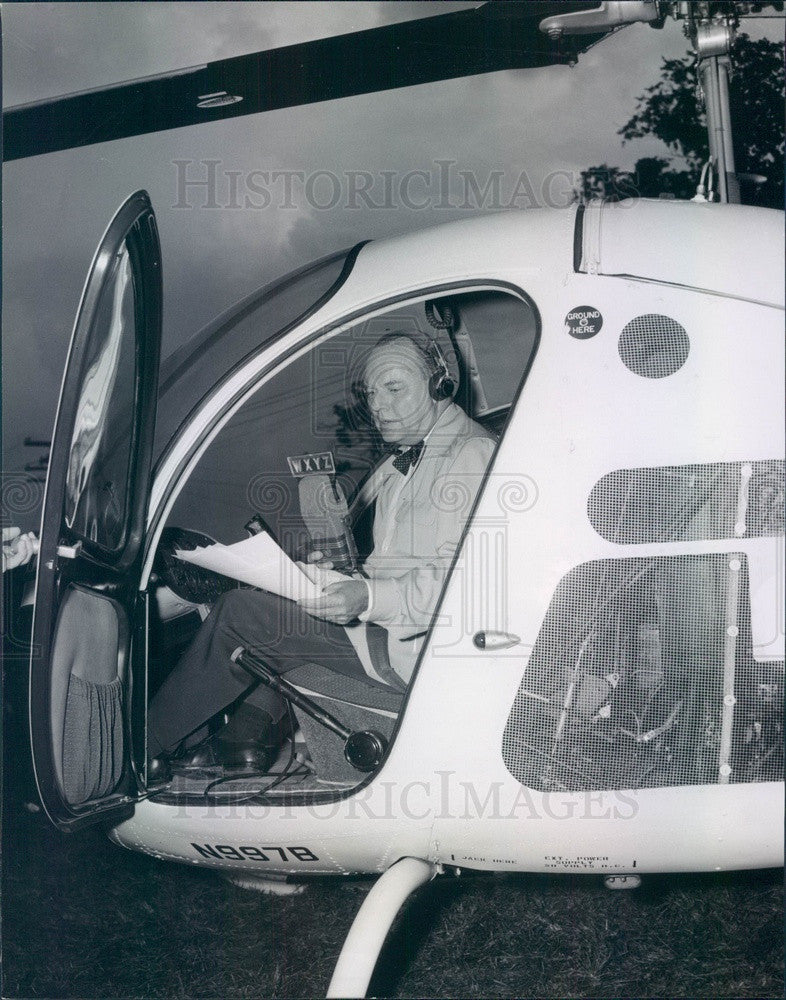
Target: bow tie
(407,458)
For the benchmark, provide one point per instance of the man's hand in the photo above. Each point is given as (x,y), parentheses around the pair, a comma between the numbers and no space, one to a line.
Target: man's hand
(339,602)
(18,549)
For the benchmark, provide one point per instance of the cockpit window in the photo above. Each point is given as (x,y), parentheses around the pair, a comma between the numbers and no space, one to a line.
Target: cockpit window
(501,334)
(309,438)
(192,369)
(316,405)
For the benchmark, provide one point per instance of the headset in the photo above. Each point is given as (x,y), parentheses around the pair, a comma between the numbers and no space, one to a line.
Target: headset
(441,384)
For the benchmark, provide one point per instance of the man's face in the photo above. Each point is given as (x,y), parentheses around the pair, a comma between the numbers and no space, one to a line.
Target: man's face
(396,385)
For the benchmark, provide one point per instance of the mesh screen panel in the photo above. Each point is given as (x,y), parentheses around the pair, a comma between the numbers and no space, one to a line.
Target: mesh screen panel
(626,683)
(653,346)
(677,503)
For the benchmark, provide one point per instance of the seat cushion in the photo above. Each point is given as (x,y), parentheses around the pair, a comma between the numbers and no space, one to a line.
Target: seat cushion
(311,677)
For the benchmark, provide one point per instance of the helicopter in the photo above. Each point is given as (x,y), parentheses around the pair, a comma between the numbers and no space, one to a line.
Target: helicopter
(621,590)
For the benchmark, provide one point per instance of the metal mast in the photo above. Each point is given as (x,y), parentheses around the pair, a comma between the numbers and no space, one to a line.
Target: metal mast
(711,26)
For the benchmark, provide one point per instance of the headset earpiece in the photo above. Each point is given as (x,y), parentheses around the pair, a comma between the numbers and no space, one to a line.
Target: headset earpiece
(441,384)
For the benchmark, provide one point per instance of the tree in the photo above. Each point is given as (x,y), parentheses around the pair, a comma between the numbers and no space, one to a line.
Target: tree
(672,110)
(609,183)
(650,178)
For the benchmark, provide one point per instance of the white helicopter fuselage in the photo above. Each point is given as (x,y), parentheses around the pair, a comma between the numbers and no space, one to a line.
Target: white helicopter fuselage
(447,790)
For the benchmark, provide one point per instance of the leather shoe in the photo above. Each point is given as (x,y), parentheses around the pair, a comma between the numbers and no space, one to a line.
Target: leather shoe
(215,752)
(250,755)
(158,771)
(201,756)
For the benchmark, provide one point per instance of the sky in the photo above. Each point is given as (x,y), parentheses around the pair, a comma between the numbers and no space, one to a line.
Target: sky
(536,129)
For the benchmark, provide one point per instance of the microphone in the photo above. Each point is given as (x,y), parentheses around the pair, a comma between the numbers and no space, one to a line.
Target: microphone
(323,507)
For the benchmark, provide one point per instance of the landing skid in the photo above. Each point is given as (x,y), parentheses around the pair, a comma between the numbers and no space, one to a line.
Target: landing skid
(371,925)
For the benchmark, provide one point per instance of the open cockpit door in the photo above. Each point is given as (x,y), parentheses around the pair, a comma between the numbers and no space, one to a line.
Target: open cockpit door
(92,533)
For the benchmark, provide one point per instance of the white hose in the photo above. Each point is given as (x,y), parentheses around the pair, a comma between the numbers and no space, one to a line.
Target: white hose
(370,927)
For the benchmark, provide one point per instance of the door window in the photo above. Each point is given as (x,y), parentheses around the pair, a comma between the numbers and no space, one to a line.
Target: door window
(497,336)
(101,447)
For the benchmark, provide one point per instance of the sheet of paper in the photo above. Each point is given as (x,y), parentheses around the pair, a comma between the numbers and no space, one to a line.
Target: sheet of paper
(261,562)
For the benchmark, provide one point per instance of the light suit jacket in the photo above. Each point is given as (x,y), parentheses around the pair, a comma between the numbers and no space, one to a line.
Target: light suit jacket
(418,522)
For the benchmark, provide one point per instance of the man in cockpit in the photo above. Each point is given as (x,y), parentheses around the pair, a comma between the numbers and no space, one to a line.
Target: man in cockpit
(423,491)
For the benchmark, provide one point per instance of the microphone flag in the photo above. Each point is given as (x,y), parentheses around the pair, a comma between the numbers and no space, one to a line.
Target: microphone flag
(312,465)
(323,507)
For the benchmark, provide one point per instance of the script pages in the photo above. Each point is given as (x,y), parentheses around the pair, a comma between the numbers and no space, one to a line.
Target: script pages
(260,562)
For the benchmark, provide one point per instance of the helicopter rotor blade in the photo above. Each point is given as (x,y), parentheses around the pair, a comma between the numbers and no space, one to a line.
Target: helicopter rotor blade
(484,39)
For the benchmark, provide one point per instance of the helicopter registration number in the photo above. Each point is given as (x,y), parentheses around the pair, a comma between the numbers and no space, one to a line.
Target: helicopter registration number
(254,853)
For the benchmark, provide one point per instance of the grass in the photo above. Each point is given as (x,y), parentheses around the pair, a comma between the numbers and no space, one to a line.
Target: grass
(83,918)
